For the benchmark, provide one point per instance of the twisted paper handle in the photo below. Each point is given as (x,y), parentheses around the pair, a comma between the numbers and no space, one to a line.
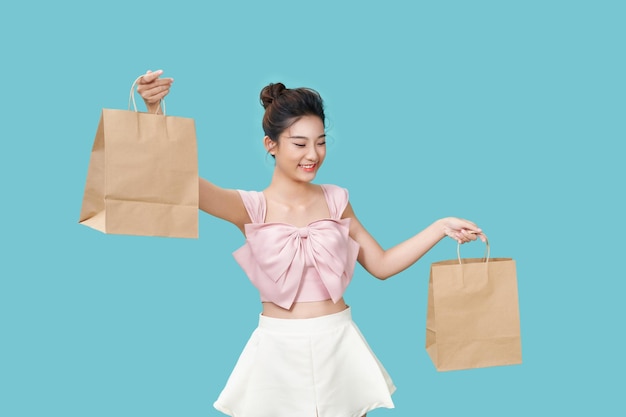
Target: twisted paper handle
(487,251)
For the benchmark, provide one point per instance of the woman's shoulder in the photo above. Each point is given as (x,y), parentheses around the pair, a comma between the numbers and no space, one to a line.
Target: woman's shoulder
(334,188)
(337,199)
(254,202)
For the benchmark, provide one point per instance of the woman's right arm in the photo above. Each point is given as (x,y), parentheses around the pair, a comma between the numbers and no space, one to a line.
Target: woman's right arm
(220,202)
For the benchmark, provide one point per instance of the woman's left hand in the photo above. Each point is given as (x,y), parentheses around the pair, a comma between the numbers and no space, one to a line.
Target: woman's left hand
(461,230)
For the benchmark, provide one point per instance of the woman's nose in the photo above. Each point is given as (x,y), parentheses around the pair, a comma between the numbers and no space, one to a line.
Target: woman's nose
(312,153)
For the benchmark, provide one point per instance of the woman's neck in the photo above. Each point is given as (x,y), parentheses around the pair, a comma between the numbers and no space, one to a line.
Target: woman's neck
(287,190)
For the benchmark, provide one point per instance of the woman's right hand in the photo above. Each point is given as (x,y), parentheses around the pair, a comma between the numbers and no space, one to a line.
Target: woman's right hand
(153,89)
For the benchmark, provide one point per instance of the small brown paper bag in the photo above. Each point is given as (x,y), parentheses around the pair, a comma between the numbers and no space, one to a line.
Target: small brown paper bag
(143,175)
(473,314)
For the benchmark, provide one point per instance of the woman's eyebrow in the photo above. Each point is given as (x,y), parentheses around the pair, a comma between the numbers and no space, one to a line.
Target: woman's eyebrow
(323,135)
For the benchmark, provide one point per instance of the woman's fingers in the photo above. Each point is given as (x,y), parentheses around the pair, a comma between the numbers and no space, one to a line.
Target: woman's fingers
(152,88)
(154,93)
(150,76)
(466,235)
(462,230)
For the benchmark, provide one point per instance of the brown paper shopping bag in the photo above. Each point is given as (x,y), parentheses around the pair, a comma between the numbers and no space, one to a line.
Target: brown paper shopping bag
(143,175)
(473,314)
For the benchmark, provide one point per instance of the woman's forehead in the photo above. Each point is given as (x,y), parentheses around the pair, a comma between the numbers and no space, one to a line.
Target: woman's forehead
(306,127)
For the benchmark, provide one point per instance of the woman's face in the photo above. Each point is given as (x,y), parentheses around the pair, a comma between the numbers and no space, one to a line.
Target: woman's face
(301,149)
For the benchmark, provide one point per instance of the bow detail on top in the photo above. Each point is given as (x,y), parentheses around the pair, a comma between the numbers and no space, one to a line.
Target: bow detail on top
(275,256)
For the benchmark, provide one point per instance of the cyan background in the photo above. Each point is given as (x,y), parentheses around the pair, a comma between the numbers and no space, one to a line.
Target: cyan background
(509,113)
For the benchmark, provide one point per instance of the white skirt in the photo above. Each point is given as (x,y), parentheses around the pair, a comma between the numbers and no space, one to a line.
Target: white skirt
(319,367)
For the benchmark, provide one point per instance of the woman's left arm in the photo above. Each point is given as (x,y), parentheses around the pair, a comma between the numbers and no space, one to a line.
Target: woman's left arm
(385,263)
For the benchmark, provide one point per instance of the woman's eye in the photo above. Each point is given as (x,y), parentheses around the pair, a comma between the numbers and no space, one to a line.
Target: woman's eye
(322,143)
(300,145)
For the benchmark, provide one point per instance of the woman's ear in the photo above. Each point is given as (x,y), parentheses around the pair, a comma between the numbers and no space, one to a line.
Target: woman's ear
(269,145)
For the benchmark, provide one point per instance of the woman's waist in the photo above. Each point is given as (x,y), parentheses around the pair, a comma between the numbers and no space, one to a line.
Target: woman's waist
(304,309)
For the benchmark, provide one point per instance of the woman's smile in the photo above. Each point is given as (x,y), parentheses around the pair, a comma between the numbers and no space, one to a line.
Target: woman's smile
(308,167)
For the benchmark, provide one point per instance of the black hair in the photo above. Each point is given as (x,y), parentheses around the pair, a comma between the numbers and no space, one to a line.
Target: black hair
(285,106)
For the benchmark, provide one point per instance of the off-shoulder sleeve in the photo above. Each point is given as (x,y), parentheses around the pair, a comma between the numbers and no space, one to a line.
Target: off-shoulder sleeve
(337,199)
(254,201)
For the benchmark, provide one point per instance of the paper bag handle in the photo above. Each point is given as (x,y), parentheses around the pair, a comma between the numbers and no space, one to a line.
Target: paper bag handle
(487,251)
(131,98)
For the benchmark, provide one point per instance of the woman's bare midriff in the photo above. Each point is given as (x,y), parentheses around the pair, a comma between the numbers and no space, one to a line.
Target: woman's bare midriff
(304,310)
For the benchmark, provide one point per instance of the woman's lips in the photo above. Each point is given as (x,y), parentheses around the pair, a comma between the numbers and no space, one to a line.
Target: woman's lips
(308,167)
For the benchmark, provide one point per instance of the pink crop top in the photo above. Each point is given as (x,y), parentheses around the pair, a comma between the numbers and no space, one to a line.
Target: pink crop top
(288,264)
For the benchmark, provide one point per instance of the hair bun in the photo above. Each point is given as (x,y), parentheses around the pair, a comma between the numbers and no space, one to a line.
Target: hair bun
(271,93)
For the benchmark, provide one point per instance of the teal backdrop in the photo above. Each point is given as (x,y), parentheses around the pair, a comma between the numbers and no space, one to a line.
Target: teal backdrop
(508,113)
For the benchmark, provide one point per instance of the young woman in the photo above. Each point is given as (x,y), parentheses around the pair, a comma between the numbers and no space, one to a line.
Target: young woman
(306,358)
